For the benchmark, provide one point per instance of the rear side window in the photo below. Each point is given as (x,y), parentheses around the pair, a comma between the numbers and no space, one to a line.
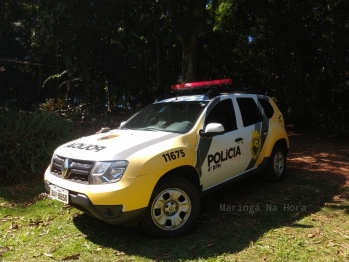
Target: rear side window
(268,109)
(250,112)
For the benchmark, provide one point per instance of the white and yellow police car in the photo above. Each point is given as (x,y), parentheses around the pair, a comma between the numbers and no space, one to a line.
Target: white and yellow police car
(156,166)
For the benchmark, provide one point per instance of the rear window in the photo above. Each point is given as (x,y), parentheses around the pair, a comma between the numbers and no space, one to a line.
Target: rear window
(250,112)
(268,109)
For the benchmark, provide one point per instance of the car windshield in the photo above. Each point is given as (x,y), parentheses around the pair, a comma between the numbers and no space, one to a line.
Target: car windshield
(178,117)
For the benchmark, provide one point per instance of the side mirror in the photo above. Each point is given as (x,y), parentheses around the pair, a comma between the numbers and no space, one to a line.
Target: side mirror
(212,129)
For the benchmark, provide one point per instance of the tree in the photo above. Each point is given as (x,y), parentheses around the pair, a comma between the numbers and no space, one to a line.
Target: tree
(126,53)
(187,19)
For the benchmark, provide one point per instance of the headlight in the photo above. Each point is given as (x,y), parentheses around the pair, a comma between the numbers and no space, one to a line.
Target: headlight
(108,172)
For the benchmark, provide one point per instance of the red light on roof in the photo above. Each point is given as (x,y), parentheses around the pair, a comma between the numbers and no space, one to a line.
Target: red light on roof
(203,84)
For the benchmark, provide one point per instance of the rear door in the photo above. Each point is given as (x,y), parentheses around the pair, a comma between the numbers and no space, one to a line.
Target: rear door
(255,128)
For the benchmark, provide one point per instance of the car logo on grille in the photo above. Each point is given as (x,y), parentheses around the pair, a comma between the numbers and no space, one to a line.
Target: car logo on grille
(65,168)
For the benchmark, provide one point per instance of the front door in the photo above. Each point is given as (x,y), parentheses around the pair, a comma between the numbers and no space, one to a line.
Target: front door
(222,156)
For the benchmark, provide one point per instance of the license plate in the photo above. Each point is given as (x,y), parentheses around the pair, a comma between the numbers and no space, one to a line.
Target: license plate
(59,194)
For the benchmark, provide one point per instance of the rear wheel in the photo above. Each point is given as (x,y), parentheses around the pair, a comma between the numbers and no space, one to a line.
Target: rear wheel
(277,165)
(173,208)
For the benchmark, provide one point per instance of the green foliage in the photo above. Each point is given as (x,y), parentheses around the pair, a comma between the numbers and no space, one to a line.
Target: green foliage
(51,105)
(27,142)
(84,122)
(53,77)
(123,52)
(66,111)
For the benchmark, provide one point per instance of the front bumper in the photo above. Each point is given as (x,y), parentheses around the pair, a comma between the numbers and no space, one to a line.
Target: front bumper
(111,214)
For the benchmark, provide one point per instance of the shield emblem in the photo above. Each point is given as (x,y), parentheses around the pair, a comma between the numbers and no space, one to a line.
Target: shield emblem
(255,144)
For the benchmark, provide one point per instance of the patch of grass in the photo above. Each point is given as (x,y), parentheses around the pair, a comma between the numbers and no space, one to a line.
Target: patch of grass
(303,218)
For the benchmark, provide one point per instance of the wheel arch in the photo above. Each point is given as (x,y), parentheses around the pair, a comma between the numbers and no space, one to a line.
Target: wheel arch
(283,143)
(187,172)
(276,165)
(183,180)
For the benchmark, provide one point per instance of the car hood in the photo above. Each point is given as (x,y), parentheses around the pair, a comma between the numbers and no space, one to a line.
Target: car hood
(113,145)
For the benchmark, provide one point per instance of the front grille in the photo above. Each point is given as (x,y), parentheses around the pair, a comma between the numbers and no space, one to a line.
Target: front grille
(79,170)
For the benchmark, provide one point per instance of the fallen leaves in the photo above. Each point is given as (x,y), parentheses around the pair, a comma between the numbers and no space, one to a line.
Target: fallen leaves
(5,249)
(8,205)
(14,226)
(17,223)
(45,233)
(119,253)
(342,234)
(318,217)
(48,255)
(75,256)
(25,203)
(39,222)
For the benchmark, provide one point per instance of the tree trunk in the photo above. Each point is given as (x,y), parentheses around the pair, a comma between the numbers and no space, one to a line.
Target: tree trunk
(189,59)
(188,23)
(2,20)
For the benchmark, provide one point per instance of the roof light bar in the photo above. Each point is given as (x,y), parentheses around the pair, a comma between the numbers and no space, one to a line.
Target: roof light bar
(203,84)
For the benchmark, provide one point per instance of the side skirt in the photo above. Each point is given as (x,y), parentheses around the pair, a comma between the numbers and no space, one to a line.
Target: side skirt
(237,178)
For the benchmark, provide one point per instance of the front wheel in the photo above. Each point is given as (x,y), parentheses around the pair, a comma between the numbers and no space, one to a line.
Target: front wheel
(173,208)
(277,165)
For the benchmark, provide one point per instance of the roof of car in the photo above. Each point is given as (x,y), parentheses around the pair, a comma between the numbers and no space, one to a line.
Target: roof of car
(208,94)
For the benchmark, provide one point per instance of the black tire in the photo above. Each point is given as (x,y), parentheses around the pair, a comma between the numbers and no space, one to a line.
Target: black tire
(277,165)
(173,208)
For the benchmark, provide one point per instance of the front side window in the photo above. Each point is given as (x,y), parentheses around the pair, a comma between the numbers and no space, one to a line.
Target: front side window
(178,117)
(223,113)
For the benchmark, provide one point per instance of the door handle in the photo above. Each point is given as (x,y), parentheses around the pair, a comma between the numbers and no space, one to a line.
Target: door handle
(238,139)
(265,131)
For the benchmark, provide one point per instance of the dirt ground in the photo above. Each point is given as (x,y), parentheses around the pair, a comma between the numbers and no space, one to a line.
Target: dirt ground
(319,154)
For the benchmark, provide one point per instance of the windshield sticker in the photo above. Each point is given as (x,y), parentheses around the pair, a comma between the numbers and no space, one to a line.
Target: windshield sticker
(108,137)
(86,147)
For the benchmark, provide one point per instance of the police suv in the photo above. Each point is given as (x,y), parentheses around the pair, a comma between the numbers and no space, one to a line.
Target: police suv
(156,166)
